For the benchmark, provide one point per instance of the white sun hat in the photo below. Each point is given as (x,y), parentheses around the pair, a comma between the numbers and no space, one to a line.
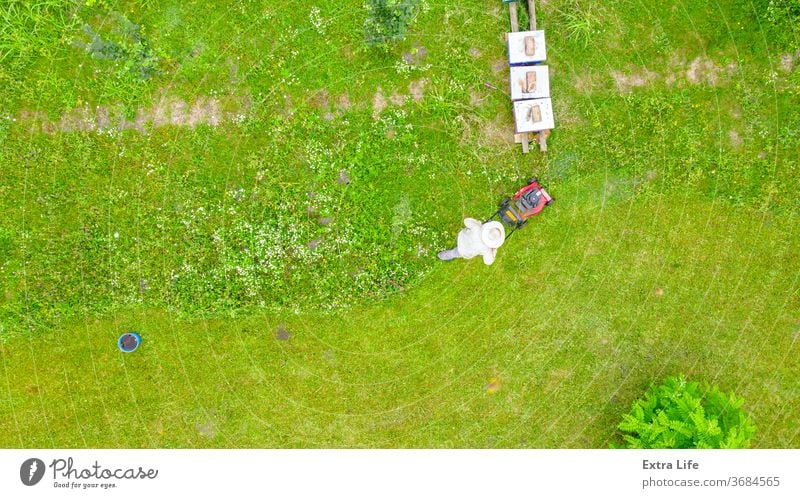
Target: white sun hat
(493,234)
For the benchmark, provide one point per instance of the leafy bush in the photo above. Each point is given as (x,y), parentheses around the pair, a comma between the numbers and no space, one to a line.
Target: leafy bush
(681,414)
(132,49)
(388,20)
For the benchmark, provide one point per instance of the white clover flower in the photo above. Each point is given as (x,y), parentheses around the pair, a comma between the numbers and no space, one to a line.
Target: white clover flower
(320,23)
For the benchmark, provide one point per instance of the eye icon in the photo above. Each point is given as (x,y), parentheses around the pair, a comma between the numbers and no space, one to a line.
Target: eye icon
(31,471)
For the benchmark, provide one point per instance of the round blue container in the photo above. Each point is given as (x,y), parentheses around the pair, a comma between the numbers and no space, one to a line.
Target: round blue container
(127,340)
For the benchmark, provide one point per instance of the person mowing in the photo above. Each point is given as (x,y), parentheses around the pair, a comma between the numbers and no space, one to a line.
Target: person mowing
(478,239)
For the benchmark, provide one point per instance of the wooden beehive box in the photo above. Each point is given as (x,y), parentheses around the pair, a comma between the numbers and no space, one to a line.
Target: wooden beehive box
(526,48)
(530,82)
(533,115)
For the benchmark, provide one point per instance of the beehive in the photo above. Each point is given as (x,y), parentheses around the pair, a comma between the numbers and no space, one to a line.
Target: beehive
(529,82)
(533,115)
(526,48)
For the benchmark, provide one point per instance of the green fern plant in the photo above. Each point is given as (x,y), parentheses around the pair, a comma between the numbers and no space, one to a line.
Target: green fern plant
(682,414)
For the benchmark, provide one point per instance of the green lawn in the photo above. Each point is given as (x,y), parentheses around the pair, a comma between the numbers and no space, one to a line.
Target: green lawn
(261,196)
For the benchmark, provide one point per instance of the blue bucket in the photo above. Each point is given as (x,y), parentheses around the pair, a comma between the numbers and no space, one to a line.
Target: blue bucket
(129,342)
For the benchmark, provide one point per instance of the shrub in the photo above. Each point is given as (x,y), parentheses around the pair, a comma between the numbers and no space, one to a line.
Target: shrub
(681,414)
(132,49)
(388,20)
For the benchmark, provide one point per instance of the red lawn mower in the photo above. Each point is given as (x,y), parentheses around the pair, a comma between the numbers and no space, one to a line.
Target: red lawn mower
(527,202)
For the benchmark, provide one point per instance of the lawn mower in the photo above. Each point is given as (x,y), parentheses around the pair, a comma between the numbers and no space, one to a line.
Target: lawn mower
(527,202)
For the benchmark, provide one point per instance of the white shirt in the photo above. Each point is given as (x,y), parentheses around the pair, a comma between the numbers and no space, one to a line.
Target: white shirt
(470,243)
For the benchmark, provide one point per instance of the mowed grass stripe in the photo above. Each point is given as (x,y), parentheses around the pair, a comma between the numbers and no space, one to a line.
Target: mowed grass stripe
(572,337)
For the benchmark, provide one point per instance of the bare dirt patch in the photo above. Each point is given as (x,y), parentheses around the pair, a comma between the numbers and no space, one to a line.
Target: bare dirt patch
(321,99)
(378,103)
(81,119)
(703,70)
(166,111)
(625,82)
(179,113)
(417,89)
(415,56)
(499,65)
(208,429)
(205,110)
(585,83)
(103,118)
(735,139)
(282,333)
(494,133)
(397,99)
(788,61)
(700,71)
(343,102)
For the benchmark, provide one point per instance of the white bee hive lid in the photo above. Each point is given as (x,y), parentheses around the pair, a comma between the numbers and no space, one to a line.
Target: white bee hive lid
(520,80)
(533,115)
(517,45)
